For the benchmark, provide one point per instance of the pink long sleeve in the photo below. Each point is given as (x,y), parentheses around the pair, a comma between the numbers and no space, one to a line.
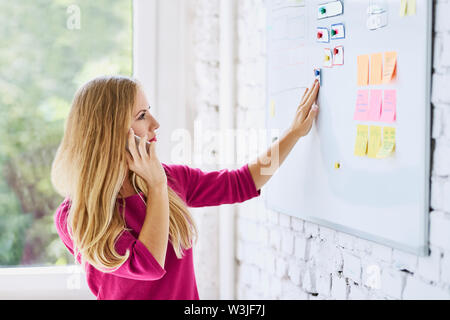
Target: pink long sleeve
(214,188)
(140,265)
(141,277)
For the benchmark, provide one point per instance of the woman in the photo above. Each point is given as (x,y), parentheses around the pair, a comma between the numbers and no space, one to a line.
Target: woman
(125,215)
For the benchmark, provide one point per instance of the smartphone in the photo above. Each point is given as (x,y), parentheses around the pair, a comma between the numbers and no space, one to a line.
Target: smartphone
(137,139)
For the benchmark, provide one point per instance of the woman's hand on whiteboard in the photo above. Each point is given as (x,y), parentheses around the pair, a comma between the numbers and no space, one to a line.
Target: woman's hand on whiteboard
(306,111)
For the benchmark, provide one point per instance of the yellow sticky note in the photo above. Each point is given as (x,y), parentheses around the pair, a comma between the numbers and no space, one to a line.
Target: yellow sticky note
(403,8)
(388,146)
(272,108)
(363,70)
(362,133)
(374,141)
(390,66)
(411,8)
(376,68)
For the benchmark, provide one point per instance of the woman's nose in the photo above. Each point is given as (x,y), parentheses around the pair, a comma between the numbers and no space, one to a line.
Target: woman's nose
(155,124)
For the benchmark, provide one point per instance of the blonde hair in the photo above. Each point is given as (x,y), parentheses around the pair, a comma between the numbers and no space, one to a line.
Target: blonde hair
(90,167)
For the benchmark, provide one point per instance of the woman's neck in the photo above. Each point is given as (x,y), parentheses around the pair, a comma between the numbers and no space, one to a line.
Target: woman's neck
(127,189)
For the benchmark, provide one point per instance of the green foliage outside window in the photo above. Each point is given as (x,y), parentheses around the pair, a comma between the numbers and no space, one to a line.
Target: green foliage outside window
(49,48)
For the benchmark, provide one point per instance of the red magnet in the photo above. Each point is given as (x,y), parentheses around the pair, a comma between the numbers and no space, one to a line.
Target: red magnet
(319,35)
(336,51)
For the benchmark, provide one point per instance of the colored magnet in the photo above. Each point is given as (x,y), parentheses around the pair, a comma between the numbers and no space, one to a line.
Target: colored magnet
(337,31)
(327,58)
(322,35)
(318,75)
(337,165)
(338,57)
(330,9)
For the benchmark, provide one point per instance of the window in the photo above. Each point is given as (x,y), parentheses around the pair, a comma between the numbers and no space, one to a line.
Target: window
(49,49)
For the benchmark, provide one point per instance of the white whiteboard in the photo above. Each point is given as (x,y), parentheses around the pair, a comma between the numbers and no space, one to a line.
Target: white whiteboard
(383,200)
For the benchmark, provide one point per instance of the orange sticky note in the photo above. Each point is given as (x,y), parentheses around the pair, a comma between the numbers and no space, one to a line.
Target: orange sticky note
(363,70)
(390,66)
(376,68)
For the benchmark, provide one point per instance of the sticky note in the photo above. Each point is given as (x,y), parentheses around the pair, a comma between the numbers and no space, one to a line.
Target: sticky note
(362,106)
(374,141)
(361,140)
(390,66)
(411,8)
(388,146)
(403,8)
(376,98)
(363,70)
(389,109)
(272,109)
(376,68)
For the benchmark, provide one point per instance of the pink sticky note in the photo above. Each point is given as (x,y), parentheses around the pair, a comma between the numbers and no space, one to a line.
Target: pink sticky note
(389,109)
(376,97)
(362,105)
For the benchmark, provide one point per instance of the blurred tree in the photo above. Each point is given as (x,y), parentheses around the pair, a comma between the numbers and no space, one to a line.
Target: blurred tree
(45,58)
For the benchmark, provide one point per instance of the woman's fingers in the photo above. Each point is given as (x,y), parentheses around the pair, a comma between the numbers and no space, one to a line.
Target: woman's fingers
(311,116)
(303,98)
(310,91)
(152,150)
(312,97)
(132,143)
(307,95)
(142,146)
(306,105)
(129,159)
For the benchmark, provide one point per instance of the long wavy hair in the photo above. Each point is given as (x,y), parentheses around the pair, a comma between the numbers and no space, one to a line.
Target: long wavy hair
(90,167)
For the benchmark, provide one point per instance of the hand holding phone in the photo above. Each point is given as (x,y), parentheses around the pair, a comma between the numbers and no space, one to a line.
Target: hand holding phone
(137,140)
(146,165)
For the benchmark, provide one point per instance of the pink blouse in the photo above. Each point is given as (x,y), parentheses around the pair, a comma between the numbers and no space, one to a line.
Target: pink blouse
(141,277)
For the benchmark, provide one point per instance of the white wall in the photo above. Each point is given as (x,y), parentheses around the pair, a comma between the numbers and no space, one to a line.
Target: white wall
(202,101)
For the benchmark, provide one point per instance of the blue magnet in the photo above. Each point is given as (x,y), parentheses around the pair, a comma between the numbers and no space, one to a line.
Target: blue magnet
(318,75)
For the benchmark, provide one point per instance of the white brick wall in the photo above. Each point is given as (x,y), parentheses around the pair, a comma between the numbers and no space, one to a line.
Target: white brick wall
(282,257)
(202,65)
